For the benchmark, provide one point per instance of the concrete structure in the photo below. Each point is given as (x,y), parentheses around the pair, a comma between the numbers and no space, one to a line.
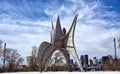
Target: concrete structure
(62,41)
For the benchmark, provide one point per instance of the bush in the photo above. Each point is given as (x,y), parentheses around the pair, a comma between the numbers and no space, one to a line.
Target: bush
(56,68)
(28,69)
(111,68)
(1,70)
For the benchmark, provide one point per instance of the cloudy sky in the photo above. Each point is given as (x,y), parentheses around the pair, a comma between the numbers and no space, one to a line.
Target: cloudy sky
(24,23)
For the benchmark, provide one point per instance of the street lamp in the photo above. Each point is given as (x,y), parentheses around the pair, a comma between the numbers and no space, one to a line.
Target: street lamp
(115,52)
(4,56)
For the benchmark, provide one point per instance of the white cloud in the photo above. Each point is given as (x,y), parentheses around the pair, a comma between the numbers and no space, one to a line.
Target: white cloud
(96,27)
(93,35)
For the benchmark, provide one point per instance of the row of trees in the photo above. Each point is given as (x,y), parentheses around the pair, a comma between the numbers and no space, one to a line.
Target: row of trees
(10,57)
(12,60)
(32,60)
(57,61)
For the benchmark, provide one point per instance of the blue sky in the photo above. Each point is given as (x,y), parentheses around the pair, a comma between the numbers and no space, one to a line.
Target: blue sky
(24,23)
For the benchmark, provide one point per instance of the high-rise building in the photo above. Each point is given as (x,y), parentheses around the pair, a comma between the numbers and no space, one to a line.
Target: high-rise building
(86,59)
(81,58)
(71,62)
(104,58)
(90,62)
(94,60)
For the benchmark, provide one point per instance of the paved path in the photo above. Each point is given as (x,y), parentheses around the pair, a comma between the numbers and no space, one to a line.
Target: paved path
(99,72)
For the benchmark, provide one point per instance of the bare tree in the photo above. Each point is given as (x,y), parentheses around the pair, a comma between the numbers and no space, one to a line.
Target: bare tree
(2,49)
(1,46)
(12,57)
(32,59)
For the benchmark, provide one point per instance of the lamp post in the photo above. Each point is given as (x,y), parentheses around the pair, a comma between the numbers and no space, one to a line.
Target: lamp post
(115,52)
(4,56)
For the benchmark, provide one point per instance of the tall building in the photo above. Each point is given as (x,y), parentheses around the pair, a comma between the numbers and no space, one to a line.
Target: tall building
(90,62)
(81,58)
(104,58)
(95,60)
(71,62)
(86,59)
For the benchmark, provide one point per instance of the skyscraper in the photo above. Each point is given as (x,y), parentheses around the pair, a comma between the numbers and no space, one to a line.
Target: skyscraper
(104,58)
(86,59)
(71,62)
(90,62)
(94,60)
(81,58)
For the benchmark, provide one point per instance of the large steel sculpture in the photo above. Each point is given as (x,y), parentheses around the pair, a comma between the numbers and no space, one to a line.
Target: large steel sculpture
(59,41)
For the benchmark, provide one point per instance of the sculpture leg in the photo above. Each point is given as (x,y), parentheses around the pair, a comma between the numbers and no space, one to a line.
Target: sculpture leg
(67,57)
(46,56)
(41,52)
(75,56)
(47,63)
(68,61)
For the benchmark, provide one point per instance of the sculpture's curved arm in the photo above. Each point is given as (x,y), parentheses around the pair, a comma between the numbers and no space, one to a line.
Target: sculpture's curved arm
(75,56)
(58,30)
(47,63)
(52,34)
(70,43)
(47,56)
(42,50)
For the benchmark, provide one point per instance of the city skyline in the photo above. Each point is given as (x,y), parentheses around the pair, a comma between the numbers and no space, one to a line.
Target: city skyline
(25,23)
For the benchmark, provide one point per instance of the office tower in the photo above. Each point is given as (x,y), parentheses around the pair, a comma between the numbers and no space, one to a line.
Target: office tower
(104,59)
(86,59)
(82,59)
(71,62)
(94,60)
(90,62)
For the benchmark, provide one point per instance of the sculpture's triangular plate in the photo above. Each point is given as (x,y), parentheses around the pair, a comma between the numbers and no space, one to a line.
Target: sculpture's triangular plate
(70,43)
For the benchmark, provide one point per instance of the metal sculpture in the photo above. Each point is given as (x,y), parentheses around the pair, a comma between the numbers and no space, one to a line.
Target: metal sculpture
(59,41)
